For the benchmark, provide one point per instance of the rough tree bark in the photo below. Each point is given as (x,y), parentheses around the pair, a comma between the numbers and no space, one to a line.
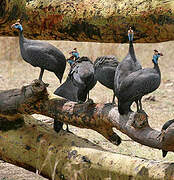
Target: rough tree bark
(34,146)
(86,20)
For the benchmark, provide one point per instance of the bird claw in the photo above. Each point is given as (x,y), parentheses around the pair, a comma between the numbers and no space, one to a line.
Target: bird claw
(115,139)
(140,119)
(113,103)
(80,102)
(67,129)
(57,125)
(38,83)
(90,101)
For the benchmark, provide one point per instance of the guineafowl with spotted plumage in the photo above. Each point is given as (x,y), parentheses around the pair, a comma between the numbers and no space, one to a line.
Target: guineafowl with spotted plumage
(128,65)
(136,85)
(79,82)
(41,54)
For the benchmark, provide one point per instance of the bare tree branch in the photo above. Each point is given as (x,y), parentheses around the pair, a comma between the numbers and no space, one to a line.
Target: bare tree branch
(102,118)
(33,145)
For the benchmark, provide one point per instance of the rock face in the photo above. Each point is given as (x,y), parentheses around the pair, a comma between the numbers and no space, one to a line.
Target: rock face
(86,20)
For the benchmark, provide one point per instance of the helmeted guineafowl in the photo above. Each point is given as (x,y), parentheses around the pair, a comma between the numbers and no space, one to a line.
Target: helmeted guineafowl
(79,81)
(128,65)
(41,54)
(77,85)
(105,67)
(136,85)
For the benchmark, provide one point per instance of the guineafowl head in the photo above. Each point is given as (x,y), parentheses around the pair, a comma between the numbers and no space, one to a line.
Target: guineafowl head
(17,25)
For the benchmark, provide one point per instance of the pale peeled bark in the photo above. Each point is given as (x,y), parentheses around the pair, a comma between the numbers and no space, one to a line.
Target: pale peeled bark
(38,148)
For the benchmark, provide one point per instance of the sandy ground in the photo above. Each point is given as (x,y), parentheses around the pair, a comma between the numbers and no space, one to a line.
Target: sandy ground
(16,73)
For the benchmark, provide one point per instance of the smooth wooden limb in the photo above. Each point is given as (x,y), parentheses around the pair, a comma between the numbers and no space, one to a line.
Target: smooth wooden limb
(35,146)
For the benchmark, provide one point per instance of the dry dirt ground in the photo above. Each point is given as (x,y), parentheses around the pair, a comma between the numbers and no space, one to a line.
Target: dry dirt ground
(14,73)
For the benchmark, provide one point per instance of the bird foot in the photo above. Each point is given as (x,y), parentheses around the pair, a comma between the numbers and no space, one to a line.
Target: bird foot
(115,139)
(67,129)
(39,82)
(113,103)
(140,119)
(38,86)
(80,102)
(90,101)
(57,125)
(46,84)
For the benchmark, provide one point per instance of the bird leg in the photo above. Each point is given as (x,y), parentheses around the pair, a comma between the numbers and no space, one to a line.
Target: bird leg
(141,108)
(67,129)
(41,74)
(113,100)
(57,125)
(88,95)
(137,105)
(164,153)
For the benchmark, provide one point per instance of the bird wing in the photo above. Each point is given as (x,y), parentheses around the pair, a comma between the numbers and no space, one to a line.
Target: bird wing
(44,56)
(82,76)
(77,76)
(37,56)
(139,83)
(124,68)
(79,82)
(106,61)
(105,75)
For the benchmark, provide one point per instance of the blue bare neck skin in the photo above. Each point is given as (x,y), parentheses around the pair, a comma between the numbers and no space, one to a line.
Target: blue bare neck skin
(20,28)
(155,62)
(20,32)
(21,37)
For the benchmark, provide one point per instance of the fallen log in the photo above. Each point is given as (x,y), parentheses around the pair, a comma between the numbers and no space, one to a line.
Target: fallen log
(34,99)
(153,21)
(28,143)
(35,146)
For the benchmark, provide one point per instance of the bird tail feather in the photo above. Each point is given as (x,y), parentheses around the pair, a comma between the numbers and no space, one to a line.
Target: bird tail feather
(67,90)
